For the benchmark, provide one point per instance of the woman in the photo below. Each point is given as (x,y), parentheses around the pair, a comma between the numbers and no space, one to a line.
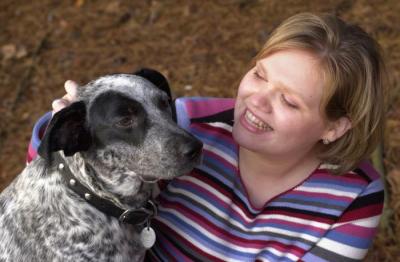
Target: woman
(276,180)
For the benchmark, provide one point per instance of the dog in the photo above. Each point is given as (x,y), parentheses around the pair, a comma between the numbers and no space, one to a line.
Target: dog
(88,195)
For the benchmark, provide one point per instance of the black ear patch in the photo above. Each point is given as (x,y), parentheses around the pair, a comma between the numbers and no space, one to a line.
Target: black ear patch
(156,78)
(67,131)
(159,81)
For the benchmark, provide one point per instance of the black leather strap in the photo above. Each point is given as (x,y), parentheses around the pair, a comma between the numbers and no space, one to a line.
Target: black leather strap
(136,216)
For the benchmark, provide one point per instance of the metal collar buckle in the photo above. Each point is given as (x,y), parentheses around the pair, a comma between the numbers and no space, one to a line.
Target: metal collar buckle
(139,215)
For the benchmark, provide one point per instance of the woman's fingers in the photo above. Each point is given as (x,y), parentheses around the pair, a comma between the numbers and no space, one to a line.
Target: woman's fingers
(59,104)
(72,90)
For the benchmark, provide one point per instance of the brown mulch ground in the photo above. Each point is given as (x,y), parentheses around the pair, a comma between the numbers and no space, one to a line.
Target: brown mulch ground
(203,47)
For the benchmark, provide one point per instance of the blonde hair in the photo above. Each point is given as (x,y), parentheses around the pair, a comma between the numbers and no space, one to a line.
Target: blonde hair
(354,76)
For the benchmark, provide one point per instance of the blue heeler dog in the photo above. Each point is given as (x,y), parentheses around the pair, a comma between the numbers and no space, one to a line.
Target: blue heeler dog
(88,196)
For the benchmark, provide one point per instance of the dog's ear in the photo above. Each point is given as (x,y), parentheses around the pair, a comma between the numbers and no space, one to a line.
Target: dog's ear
(161,82)
(67,131)
(156,78)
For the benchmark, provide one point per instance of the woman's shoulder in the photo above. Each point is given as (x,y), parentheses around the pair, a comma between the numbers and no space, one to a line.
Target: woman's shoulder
(362,180)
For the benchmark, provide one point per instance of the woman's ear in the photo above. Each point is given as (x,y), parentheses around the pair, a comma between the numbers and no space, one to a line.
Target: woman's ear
(336,129)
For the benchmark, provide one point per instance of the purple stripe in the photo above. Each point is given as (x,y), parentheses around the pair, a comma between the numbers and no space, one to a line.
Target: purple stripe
(35,140)
(369,170)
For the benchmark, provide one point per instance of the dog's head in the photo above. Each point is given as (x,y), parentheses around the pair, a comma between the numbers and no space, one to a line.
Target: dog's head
(124,124)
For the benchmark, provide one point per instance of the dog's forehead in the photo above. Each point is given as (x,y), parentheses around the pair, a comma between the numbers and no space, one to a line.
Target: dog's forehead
(133,86)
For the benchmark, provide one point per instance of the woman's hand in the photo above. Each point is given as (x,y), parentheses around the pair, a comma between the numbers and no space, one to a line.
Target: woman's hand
(72,89)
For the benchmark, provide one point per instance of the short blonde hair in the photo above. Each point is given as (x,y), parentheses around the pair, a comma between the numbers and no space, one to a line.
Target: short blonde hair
(354,76)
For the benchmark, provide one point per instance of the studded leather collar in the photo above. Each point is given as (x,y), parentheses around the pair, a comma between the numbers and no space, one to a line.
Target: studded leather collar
(136,216)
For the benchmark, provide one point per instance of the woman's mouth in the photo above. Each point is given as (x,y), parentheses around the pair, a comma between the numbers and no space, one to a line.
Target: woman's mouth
(256,122)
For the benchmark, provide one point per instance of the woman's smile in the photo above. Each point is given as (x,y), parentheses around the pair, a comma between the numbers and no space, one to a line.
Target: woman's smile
(254,124)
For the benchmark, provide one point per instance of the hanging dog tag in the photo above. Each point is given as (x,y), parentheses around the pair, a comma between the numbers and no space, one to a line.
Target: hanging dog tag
(147,237)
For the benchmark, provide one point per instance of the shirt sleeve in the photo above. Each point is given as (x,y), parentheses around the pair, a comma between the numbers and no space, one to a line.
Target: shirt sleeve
(189,108)
(351,236)
(37,134)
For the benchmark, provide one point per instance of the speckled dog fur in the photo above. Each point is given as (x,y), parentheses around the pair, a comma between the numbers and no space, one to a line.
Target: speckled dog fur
(41,219)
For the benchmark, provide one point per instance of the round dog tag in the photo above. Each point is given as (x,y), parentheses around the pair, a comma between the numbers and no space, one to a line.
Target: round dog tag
(147,237)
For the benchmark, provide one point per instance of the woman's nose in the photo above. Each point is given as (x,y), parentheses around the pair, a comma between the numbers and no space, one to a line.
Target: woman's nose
(261,99)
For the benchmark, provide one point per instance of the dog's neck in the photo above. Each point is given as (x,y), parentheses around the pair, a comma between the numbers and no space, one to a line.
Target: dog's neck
(134,215)
(132,193)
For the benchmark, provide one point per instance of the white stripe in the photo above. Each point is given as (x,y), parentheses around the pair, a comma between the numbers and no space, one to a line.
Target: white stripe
(276,252)
(221,153)
(342,249)
(370,222)
(326,191)
(239,225)
(221,125)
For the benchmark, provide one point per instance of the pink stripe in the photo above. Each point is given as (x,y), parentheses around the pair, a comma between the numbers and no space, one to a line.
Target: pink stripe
(28,159)
(362,212)
(201,108)
(358,231)
(31,154)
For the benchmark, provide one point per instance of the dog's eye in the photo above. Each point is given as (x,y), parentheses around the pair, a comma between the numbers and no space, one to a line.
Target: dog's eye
(125,122)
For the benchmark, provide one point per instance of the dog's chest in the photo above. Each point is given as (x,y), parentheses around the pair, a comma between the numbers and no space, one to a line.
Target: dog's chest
(49,223)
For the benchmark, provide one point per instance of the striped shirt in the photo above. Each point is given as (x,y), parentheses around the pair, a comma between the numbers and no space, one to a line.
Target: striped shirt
(207,216)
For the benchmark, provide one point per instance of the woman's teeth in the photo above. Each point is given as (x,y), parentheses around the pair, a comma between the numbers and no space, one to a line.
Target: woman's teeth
(257,122)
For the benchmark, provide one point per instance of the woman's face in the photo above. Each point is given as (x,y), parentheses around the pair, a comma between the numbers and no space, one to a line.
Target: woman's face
(277,110)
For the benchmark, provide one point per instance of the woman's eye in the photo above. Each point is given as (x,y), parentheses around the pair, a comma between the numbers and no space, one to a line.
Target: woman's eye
(125,122)
(290,104)
(257,75)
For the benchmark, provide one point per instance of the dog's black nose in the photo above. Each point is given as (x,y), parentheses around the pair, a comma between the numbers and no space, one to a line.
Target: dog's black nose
(192,149)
